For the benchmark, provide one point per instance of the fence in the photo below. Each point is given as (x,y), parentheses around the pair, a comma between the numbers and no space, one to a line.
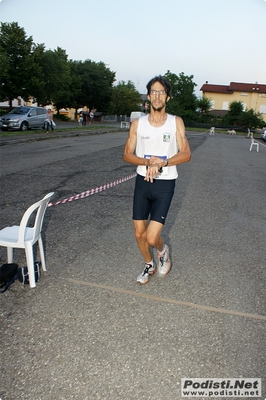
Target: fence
(115,118)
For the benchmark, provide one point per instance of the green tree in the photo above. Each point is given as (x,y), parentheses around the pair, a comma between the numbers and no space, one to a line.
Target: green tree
(236,109)
(183,100)
(55,78)
(96,84)
(237,116)
(75,85)
(125,98)
(19,72)
(204,104)
(251,119)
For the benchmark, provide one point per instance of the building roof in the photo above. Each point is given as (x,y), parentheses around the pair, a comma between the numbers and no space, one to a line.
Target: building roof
(234,87)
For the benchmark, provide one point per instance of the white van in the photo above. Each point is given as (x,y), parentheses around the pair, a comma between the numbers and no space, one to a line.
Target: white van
(136,114)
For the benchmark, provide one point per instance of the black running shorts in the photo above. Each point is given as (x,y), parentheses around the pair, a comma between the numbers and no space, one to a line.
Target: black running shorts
(152,199)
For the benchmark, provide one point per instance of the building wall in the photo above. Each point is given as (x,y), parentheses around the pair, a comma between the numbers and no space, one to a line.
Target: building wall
(254,100)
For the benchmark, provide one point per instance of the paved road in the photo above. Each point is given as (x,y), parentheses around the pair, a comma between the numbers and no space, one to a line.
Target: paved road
(88,330)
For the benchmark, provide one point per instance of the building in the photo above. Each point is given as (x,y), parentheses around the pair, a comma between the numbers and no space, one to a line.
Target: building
(252,95)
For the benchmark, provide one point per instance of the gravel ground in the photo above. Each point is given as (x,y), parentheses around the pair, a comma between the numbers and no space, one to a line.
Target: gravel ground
(88,330)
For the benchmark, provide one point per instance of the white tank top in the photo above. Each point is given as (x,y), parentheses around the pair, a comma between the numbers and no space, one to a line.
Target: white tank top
(157,141)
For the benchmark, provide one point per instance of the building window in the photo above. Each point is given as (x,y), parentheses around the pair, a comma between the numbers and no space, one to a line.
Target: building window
(225,105)
(263,109)
(244,94)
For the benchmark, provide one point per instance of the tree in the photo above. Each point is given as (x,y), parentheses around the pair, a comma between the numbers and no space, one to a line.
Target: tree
(16,55)
(236,109)
(56,84)
(125,98)
(96,84)
(251,119)
(237,116)
(183,100)
(58,78)
(204,104)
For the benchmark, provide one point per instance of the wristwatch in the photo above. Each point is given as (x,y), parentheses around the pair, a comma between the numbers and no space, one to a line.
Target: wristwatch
(161,169)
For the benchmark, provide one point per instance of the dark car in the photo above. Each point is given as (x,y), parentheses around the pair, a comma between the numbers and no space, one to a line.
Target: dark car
(24,118)
(263,134)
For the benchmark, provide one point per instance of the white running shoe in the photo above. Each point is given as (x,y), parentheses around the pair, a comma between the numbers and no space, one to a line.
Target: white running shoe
(147,272)
(164,262)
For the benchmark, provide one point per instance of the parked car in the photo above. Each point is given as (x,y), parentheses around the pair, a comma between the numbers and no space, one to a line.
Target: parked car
(24,118)
(263,134)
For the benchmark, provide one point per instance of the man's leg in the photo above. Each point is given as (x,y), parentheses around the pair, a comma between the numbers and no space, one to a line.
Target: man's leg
(155,240)
(144,247)
(140,227)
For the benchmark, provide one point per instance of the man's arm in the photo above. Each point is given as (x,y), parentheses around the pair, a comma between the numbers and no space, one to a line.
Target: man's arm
(129,150)
(184,153)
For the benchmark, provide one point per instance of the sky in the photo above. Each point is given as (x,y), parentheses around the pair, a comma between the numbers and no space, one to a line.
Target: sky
(219,41)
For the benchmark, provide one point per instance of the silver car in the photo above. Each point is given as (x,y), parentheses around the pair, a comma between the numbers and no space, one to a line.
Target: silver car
(24,118)
(263,134)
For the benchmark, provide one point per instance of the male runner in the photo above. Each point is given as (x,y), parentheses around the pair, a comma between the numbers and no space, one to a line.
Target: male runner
(156,144)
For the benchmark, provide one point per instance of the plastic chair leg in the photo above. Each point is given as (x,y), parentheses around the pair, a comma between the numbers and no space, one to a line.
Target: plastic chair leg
(10,255)
(40,243)
(30,264)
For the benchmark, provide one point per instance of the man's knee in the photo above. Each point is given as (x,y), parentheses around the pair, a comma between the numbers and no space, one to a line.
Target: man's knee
(140,230)
(140,235)
(152,239)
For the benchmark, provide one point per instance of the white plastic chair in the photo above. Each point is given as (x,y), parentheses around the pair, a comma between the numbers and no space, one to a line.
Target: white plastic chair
(253,143)
(24,237)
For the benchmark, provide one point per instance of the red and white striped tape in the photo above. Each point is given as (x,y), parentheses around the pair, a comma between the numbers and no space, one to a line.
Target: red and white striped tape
(93,191)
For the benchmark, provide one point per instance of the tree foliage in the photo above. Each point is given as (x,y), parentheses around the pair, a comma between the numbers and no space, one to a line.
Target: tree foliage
(236,108)
(19,70)
(204,104)
(125,98)
(238,117)
(96,84)
(183,101)
(28,70)
(54,78)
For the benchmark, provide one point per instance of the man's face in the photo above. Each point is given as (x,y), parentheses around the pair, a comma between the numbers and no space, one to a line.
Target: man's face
(158,96)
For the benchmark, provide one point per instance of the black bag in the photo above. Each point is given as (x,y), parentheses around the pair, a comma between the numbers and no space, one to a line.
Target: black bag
(8,273)
(23,274)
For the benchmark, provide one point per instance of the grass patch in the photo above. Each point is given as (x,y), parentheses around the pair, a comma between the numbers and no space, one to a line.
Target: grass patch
(58,129)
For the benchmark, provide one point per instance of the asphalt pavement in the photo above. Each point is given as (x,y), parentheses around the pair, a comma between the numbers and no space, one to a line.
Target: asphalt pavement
(89,330)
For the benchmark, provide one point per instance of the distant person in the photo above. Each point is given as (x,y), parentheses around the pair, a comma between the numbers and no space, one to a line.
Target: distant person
(91,117)
(49,122)
(80,120)
(156,144)
(84,118)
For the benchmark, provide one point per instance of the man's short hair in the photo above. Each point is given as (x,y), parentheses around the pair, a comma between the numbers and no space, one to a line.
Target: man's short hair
(163,81)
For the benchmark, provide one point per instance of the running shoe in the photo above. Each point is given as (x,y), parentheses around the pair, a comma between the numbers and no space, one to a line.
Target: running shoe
(147,272)
(164,262)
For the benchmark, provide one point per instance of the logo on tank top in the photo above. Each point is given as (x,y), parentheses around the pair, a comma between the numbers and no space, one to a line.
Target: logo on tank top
(166,137)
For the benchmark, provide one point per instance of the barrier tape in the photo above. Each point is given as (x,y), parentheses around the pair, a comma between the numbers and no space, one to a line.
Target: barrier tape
(93,191)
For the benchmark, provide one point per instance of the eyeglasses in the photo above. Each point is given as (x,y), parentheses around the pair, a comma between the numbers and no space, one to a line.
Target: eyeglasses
(160,92)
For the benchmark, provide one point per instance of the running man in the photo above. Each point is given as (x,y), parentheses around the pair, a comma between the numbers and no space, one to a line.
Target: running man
(156,144)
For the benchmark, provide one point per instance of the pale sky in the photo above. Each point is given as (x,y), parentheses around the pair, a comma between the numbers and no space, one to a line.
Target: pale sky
(219,41)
